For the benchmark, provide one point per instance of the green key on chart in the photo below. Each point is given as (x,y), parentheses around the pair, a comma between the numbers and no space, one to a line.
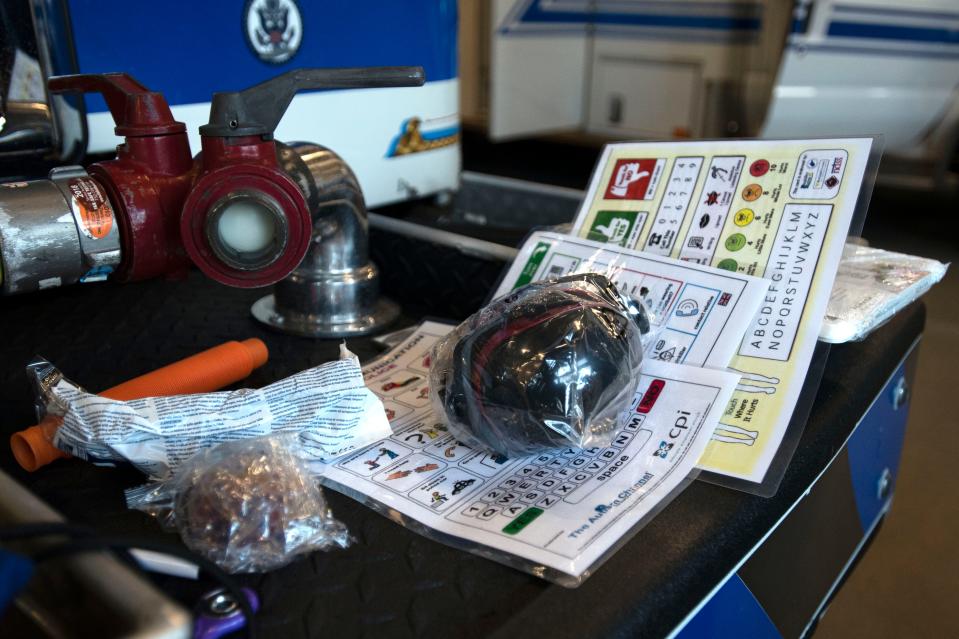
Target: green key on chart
(530,269)
(525,519)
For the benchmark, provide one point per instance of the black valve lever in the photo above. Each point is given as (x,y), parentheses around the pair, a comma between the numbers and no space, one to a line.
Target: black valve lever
(258,109)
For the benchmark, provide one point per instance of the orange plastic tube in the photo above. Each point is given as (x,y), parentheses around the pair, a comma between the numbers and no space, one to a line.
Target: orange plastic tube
(201,373)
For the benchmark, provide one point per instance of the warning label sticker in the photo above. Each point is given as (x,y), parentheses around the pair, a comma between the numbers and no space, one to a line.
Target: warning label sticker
(91,208)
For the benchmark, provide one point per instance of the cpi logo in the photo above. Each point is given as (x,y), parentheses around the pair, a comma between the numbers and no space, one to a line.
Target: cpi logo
(663,450)
(273,29)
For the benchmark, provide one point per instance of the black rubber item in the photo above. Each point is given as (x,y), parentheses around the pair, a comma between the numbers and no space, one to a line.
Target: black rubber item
(258,109)
(549,364)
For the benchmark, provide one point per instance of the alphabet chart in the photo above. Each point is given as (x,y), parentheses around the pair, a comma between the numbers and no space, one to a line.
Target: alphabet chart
(558,514)
(777,209)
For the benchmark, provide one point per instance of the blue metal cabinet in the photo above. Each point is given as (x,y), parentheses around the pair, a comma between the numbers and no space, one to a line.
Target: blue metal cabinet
(783,586)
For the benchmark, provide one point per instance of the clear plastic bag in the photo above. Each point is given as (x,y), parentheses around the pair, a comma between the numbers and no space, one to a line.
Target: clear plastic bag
(250,505)
(871,286)
(550,365)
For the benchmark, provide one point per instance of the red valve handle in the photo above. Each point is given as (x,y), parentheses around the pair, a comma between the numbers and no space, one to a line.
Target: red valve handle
(136,110)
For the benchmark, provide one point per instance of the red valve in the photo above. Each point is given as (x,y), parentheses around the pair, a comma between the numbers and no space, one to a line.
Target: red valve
(136,110)
(241,185)
(245,223)
(150,177)
(239,210)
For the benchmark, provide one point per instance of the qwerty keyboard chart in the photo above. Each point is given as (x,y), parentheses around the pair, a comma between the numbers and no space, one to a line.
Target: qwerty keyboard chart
(561,509)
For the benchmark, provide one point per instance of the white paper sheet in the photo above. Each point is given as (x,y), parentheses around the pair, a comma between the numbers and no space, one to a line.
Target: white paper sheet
(563,511)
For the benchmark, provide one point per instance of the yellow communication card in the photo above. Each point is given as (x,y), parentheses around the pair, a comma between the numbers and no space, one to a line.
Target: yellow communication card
(777,209)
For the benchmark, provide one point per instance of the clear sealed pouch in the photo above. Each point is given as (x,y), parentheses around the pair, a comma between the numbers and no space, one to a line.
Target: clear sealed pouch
(871,286)
(552,364)
(249,505)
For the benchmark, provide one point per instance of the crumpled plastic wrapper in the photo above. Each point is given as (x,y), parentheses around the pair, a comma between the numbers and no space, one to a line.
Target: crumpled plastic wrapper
(550,365)
(250,505)
(871,286)
(328,406)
